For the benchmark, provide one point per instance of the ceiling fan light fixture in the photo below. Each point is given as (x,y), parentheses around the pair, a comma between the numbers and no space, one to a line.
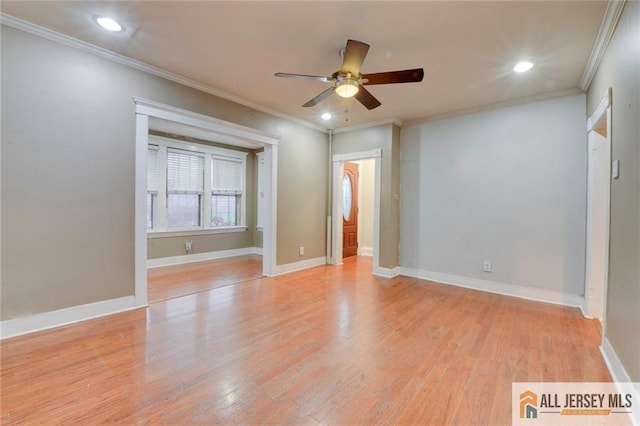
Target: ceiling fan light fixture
(347,87)
(523,66)
(326,116)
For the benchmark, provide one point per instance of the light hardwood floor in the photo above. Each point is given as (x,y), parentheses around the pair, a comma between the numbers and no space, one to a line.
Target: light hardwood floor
(329,345)
(168,282)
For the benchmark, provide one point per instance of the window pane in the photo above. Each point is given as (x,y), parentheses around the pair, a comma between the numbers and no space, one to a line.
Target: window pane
(150,198)
(226,175)
(224,210)
(183,210)
(152,169)
(185,172)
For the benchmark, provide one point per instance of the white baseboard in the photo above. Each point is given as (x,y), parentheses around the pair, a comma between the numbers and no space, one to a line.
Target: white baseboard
(299,266)
(200,257)
(365,251)
(513,290)
(621,377)
(47,320)
(385,272)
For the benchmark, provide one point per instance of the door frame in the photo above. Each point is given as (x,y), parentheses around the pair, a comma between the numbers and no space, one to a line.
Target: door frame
(601,115)
(228,132)
(338,170)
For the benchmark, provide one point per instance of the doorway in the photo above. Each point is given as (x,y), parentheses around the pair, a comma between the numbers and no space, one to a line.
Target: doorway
(151,115)
(598,210)
(339,161)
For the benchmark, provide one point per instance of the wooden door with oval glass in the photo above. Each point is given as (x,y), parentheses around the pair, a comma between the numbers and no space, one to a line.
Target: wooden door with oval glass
(350,210)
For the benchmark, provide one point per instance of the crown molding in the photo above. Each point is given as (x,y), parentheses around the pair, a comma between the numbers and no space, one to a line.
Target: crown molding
(607,28)
(497,105)
(37,30)
(355,127)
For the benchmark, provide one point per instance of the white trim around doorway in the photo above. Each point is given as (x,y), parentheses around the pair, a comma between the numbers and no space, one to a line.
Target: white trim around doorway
(145,111)
(602,114)
(336,226)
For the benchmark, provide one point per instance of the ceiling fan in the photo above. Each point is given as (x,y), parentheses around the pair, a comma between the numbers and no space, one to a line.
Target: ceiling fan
(349,82)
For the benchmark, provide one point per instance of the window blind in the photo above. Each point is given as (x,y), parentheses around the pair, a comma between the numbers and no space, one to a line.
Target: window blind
(185,172)
(226,176)
(152,169)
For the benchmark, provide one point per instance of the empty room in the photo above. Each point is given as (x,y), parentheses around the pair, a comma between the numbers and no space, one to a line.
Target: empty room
(225,212)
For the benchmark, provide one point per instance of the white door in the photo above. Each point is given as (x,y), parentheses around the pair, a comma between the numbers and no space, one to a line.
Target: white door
(597,260)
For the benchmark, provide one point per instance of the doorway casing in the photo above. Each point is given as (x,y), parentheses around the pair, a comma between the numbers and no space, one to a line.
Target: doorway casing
(336,225)
(598,225)
(220,130)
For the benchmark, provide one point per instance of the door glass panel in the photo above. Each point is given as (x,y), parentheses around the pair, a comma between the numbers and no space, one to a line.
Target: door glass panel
(347,198)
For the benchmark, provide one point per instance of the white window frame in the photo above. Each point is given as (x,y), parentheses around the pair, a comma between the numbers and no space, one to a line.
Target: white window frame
(161,229)
(223,154)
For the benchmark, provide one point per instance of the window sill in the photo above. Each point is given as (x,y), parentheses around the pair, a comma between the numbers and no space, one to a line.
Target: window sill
(193,232)
(259,228)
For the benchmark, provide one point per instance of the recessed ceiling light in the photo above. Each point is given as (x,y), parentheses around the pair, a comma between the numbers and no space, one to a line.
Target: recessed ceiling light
(107,23)
(523,66)
(326,116)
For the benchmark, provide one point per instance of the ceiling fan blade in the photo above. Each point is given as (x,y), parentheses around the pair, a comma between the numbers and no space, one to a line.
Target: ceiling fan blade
(306,77)
(367,99)
(320,97)
(354,55)
(405,76)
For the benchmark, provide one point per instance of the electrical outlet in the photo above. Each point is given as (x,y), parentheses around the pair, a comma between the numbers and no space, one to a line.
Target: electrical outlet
(301,251)
(188,245)
(487,266)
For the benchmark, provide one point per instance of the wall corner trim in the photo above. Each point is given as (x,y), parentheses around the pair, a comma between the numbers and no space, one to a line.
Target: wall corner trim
(513,290)
(301,265)
(201,257)
(47,320)
(619,375)
(607,28)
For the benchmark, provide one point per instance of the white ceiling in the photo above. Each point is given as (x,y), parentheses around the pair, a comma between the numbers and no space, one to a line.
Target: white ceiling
(467,49)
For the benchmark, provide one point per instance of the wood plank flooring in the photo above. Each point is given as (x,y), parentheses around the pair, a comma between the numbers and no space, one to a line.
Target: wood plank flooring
(329,345)
(168,282)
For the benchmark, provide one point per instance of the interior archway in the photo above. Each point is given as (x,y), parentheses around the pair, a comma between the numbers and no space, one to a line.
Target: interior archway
(151,115)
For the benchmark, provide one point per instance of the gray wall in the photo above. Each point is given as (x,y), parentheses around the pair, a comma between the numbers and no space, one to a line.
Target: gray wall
(387,138)
(508,186)
(68,138)
(302,193)
(620,70)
